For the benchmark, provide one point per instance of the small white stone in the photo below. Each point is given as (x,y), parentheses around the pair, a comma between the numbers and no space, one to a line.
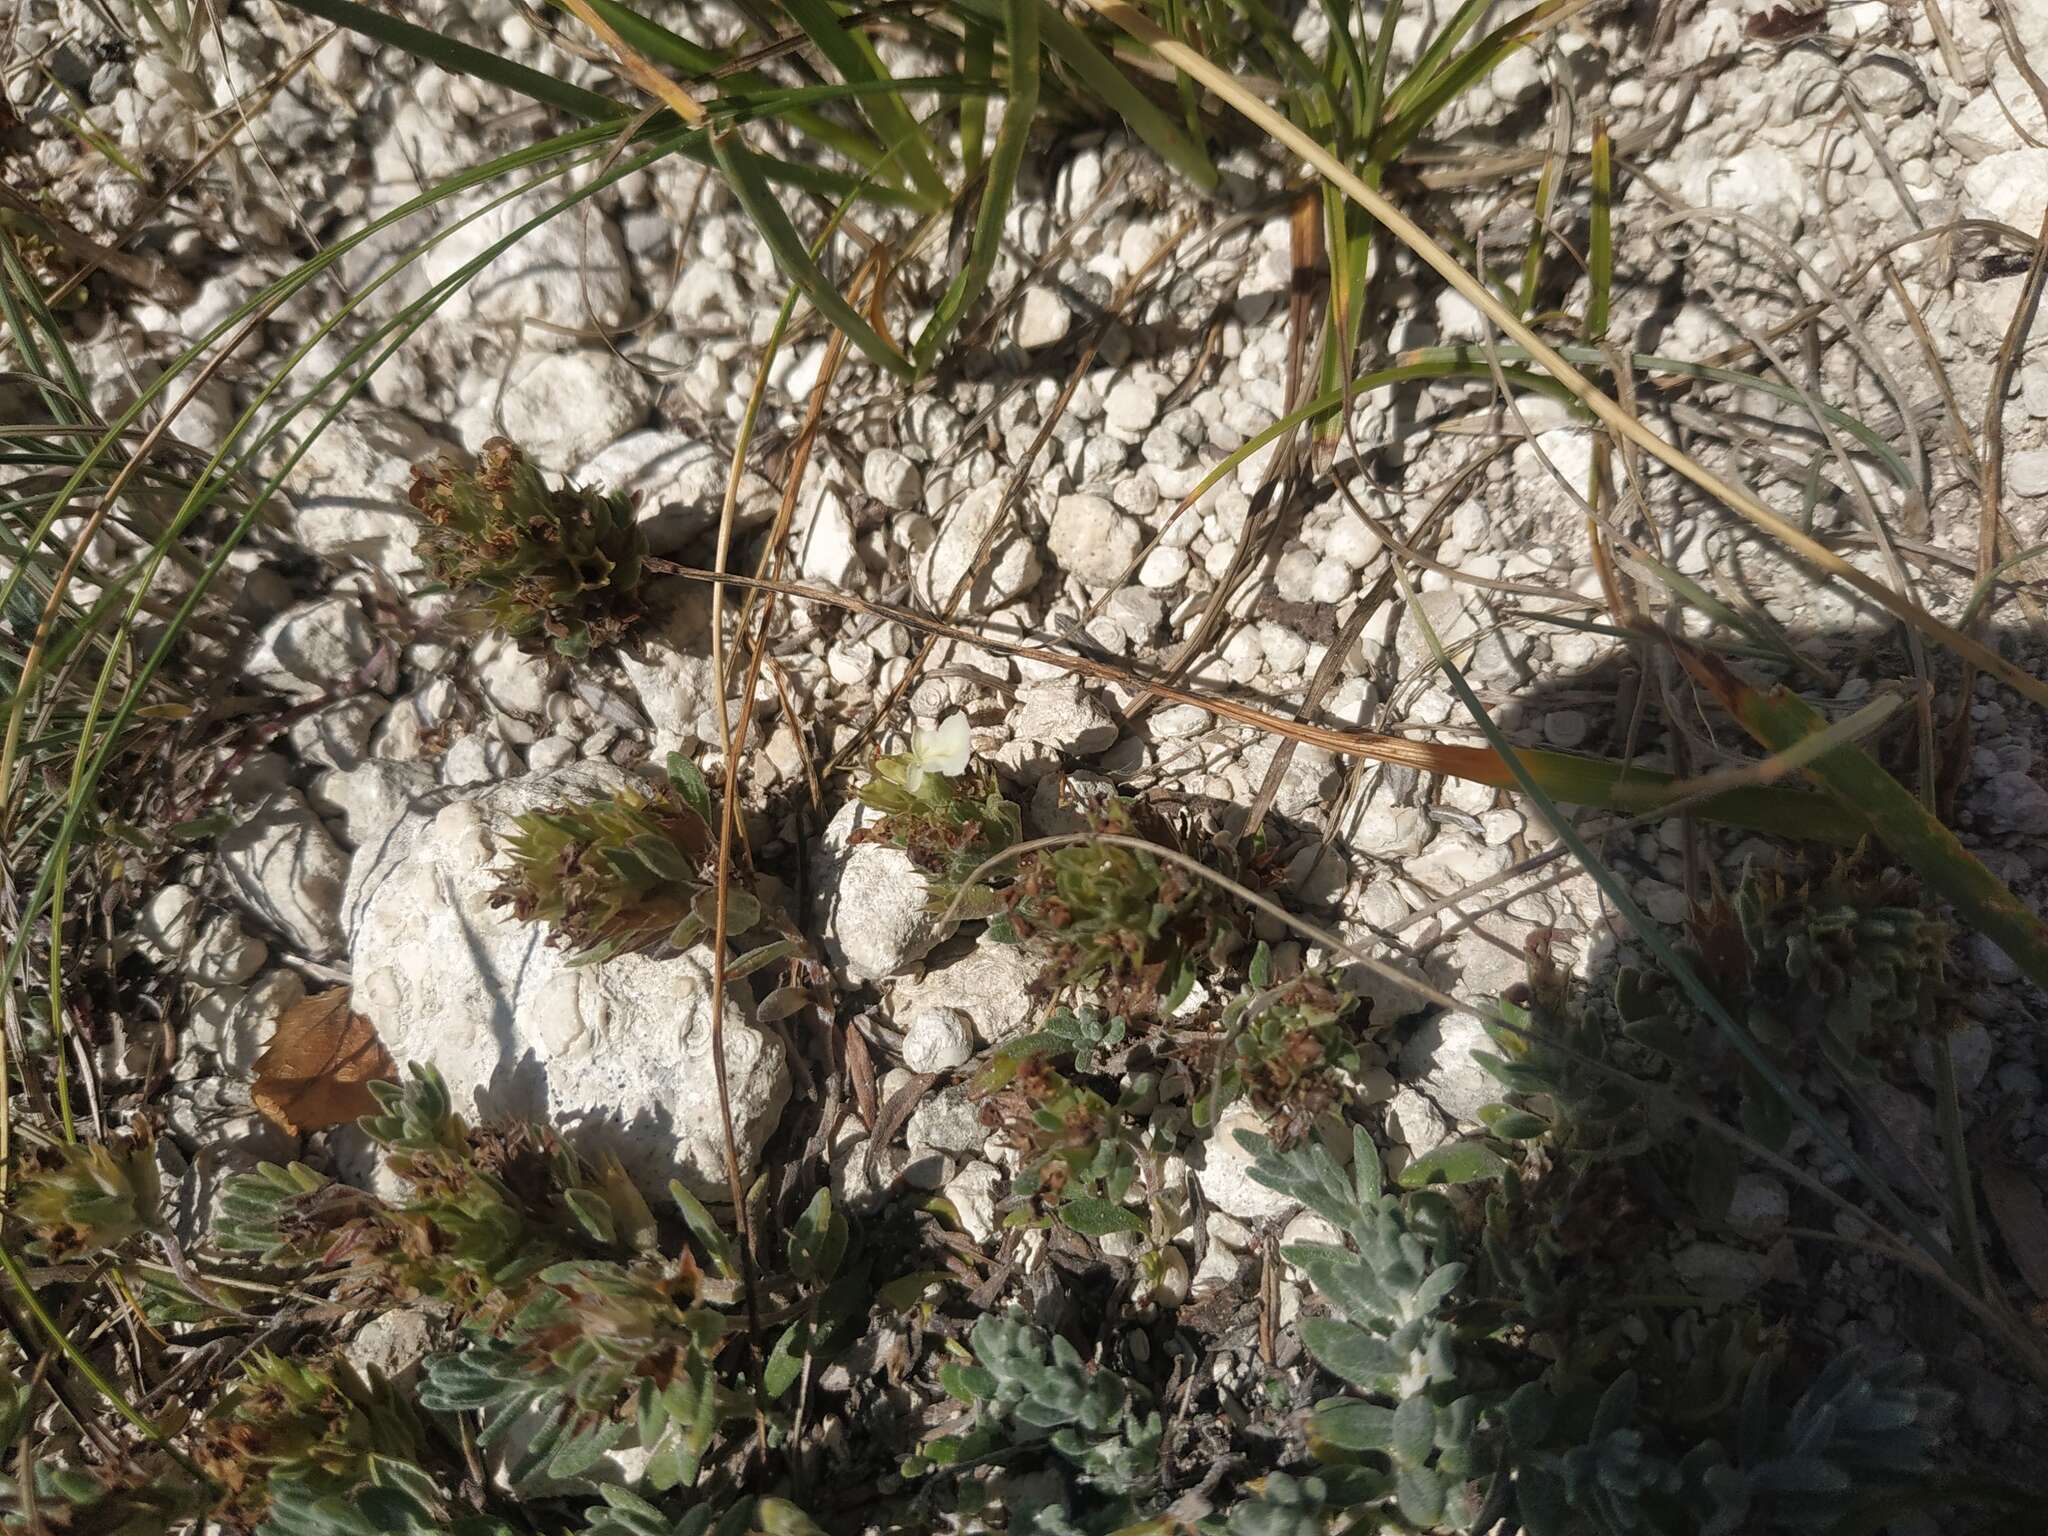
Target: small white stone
(223,955)
(892,479)
(289,872)
(568,405)
(973,1193)
(873,901)
(1042,319)
(1092,540)
(1391,831)
(991,983)
(826,551)
(348,491)
(677,482)
(1350,543)
(1565,727)
(1438,1061)
(2026,474)
(938,1040)
(1666,903)
(235,1023)
(2011,187)
(1063,718)
(1225,1175)
(1165,569)
(167,923)
(313,648)
(479,757)
(1012,570)
(370,796)
(1758,1204)
(1130,407)
(339,735)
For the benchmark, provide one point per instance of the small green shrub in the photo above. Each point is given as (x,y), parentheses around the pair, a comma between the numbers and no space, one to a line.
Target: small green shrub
(1455,1421)
(632,873)
(83,1198)
(1135,927)
(316,1424)
(576,1334)
(948,822)
(1029,1387)
(1076,1144)
(560,569)
(1286,1048)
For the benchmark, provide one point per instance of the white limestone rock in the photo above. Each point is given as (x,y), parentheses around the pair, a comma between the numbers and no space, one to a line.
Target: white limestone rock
(872,901)
(1092,540)
(1012,569)
(1438,1062)
(289,872)
(669,667)
(339,735)
(348,492)
(570,272)
(991,984)
(311,648)
(1225,1174)
(568,405)
(369,797)
(938,1040)
(618,1054)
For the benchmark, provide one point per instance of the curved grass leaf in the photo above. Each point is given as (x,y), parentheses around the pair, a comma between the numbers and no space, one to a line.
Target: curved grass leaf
(1020,108)
(1781,720)
(744,173)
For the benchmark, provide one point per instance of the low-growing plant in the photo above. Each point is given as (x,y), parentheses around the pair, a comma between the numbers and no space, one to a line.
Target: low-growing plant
(1027,1386)
(576,1334)
(558,569)
(78,1199)
(949,822)
(1455,1421)
(1845,961)
(1135,927)
(1284,1047)
(1074,1144)
(631,873)
(317,1424)
(1841,967)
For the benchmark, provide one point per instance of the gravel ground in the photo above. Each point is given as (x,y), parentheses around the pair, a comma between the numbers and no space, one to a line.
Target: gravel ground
(1139,335)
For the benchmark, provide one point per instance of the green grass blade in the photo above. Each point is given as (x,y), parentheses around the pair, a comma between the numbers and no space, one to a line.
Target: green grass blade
(1021,34)
(693,61)
(1532,258)
(1348,82)
(1416,104)
(1072,47)
(743,173)
(1600,235)
(462,59)
(1650,362)
(855,58)
(1376,73)
(1779,719)
(1434,56)
(977,63)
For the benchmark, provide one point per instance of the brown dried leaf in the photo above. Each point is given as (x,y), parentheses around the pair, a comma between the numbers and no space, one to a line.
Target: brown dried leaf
(2021,1216)
(860,1066)
(317,1069)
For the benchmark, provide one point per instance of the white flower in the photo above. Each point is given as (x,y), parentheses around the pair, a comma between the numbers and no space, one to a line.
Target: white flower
(942,751)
